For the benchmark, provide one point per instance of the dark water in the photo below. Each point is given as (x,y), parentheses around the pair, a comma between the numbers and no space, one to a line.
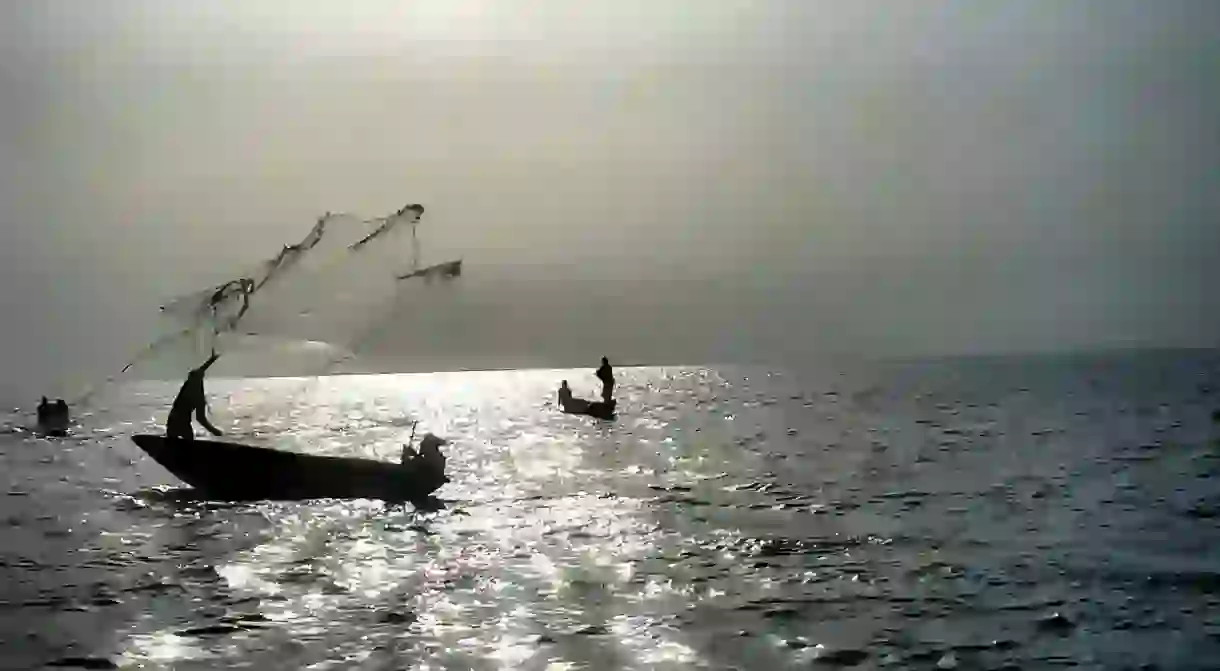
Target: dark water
(1035,513)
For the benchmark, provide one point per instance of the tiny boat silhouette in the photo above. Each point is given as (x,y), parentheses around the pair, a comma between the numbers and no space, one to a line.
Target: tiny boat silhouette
(599,409)
(54,419)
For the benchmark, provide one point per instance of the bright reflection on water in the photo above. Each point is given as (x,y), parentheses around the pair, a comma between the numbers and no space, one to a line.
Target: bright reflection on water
(924,518)
(532,565)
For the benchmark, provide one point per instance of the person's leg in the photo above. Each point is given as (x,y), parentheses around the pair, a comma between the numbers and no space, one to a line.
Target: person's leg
(180,430)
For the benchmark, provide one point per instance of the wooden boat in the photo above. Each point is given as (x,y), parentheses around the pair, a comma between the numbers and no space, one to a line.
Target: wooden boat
(597,409)
(235,472)
(54,419)
(55,427)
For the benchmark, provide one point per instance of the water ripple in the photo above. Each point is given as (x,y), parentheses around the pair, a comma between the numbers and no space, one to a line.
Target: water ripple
(732,518)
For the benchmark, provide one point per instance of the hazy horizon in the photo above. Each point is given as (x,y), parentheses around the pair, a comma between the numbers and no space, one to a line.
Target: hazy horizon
(741,182)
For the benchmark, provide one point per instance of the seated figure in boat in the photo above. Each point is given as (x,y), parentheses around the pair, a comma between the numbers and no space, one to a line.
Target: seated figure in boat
(191,399)
(53,416)
(428,459)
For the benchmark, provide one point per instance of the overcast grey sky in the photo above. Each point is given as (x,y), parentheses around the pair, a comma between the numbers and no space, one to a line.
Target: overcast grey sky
(676,181)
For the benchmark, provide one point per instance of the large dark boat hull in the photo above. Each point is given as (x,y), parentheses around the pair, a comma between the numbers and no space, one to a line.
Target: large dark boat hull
(234,472)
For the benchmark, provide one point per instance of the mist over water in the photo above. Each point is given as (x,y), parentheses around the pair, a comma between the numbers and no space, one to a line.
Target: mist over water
(787,179)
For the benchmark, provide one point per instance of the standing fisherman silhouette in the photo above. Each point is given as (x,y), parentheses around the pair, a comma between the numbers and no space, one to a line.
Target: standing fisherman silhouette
(191,399)
(606,374)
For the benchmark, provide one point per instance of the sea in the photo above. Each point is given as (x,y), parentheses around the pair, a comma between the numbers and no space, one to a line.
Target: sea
(1022,512)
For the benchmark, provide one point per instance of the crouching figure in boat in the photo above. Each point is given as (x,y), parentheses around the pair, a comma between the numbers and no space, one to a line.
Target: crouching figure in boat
(429,460)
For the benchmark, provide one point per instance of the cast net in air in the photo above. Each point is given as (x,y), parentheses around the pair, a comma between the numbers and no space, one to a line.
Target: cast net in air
(331,289)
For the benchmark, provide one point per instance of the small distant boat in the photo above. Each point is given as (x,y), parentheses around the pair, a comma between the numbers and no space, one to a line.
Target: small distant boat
(234,472)
(603,410)
(55,427)
(54,419)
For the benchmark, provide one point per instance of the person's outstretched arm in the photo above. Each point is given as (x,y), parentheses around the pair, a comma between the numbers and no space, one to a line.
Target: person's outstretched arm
(208,364)
(202,416)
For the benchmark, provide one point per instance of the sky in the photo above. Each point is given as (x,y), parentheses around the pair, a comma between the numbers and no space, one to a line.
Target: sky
(677,182)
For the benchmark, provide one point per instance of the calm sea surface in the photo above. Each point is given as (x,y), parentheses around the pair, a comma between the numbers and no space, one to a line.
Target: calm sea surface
(1016,513)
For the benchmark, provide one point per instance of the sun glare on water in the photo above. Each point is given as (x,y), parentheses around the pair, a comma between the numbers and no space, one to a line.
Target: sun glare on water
(533,555)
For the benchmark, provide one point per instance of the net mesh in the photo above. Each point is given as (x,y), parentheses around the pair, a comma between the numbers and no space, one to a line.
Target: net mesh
(334,286)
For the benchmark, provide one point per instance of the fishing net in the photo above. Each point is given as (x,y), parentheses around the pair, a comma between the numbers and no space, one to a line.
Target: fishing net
(334,286)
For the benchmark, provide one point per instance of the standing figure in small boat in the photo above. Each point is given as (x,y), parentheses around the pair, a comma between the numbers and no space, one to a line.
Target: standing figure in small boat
(44,411)
(191,399)
(565,395)
(606,374)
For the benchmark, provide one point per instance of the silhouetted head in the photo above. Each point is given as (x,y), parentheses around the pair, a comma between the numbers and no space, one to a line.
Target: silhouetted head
(564,384)
(44,401)
(430,441)
(605,361)
(60,403)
